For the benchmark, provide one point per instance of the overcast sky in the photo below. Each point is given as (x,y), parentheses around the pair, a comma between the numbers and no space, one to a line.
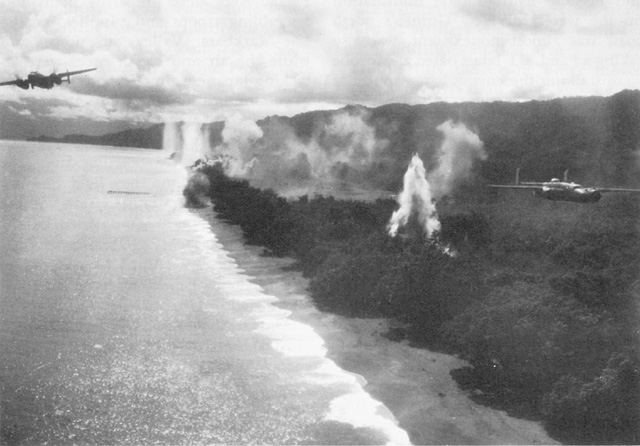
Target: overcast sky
(208,60)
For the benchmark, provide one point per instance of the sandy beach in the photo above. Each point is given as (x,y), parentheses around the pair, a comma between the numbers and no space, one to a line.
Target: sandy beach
(414,384)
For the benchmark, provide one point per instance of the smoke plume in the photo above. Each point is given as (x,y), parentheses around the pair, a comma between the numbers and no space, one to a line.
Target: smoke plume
(460,149)
(171,138)
(456,156)
(415,198)
(337,154)
(239,136)
(347,154)
(188,144)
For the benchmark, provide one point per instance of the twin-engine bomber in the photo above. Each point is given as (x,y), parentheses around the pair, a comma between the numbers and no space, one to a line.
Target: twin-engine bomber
(35,79)
(557,190)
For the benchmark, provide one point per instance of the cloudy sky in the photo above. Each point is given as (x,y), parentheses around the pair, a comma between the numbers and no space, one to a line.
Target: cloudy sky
(208,60)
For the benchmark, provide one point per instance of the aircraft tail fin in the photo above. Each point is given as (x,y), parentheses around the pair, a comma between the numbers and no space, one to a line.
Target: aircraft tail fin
(518,175)
(566,176)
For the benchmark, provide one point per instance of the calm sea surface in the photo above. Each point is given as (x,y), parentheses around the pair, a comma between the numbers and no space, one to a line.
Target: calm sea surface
(124,321)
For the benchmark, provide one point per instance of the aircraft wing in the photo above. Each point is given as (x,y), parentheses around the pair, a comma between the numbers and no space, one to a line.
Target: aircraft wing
(71,73)
(516,186)
(619,190)
(9,83)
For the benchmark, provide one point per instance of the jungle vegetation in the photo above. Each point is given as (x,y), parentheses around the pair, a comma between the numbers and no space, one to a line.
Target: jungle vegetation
(542,302)
(541,298)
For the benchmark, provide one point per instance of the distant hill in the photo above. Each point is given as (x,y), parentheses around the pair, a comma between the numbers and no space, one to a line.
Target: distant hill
(596,138)
(146,138)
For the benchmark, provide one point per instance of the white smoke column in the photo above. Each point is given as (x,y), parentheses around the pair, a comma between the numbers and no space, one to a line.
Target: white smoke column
(415,198)
(355,140)
(339,150)
(188,143)
(194,145)
(239,136)
(170,138)
(460,149)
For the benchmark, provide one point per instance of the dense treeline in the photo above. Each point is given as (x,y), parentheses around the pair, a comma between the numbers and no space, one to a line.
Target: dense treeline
(540,298)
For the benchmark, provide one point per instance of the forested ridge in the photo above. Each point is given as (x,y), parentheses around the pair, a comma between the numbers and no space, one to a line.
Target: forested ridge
(541,298)
(147,138)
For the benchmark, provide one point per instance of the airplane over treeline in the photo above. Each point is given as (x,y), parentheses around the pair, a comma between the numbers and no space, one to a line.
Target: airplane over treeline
(35,79)
(557,190)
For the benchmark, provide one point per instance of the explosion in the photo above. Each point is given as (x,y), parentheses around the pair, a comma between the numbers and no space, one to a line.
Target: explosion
(458,152)
(415,197)
(339,153)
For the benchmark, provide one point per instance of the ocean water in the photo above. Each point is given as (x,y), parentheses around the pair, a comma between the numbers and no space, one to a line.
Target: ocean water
(123,320)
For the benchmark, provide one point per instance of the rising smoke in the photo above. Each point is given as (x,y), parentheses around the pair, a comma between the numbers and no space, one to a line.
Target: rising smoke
(339,151)
(415,199)
(188,143)
(238,135)
(459,151)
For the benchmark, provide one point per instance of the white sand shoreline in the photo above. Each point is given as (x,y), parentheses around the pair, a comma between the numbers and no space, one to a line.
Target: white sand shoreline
(414,384)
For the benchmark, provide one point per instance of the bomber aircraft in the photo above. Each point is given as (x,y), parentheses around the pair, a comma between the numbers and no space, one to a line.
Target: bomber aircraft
(557,190)
(35,79)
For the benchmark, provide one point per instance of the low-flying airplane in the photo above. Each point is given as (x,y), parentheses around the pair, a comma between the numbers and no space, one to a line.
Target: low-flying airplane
(35,79)
(557,190)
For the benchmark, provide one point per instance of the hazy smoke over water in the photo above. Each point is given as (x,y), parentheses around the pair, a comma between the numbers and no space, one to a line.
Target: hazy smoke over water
(195,143)
(415,198)
(460,149)
(170,138)
(187,143)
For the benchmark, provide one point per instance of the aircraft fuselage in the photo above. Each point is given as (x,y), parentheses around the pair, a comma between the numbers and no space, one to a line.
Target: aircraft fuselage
(557,190)
(561,191)
(35,79)
(41,81)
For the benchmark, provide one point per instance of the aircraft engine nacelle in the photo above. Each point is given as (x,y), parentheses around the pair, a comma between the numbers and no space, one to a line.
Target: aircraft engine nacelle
(22,83)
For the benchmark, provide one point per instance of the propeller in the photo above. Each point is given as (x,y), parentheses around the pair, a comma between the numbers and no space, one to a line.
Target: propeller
(22,83)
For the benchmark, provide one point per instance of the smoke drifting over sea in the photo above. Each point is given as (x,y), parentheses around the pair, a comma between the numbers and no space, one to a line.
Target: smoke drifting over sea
(334,152)
(188,143)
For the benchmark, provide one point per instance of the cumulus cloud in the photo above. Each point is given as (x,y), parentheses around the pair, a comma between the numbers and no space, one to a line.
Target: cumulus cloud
(258,57)
(23,112)
(13,22)
(372,71)
(533,17)
(131,94)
